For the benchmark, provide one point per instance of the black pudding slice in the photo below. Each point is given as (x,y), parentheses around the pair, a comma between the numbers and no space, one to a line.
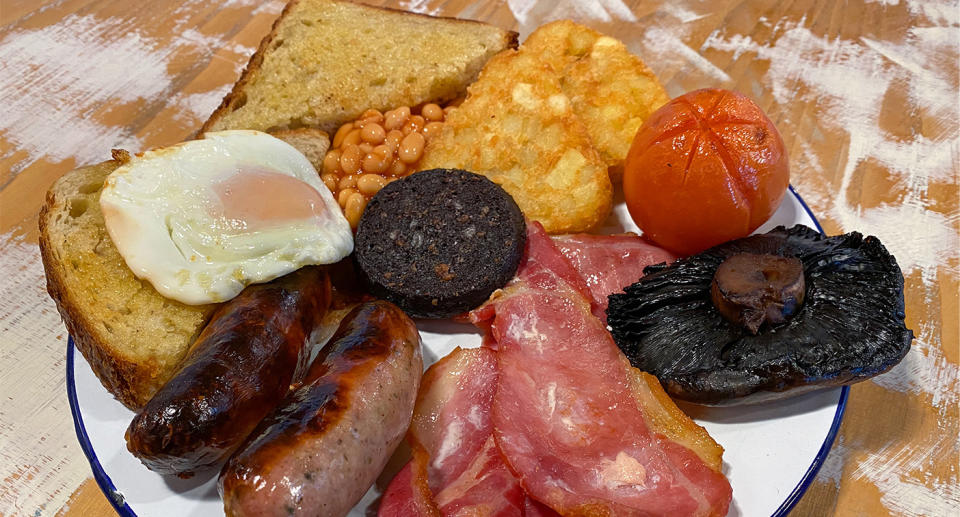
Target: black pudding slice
(438,242)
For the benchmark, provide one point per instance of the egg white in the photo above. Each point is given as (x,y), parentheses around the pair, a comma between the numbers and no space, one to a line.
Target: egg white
(160,210)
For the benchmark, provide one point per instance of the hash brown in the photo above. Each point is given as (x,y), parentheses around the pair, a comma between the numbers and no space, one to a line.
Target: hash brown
(519,129)
(613,91)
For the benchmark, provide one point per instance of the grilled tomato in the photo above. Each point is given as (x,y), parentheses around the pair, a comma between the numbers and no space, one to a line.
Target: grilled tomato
(706,168)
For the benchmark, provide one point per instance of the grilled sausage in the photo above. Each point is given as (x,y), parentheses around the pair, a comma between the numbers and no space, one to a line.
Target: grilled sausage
(320,451)
(238,370)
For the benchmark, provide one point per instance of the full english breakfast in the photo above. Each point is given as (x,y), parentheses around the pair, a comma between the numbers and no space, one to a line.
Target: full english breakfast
(463,176)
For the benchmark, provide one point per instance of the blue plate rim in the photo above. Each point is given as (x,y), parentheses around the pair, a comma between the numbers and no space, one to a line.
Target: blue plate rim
(103,480)
(120,505)
(821,456)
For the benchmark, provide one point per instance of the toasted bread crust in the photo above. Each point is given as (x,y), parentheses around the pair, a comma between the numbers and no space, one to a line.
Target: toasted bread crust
(237,95)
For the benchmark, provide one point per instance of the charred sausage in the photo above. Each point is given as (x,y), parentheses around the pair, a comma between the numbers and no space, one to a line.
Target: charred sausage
(238,370)
(320,451)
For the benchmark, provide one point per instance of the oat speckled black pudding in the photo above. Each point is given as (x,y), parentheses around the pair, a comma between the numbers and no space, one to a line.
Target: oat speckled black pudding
(438,242)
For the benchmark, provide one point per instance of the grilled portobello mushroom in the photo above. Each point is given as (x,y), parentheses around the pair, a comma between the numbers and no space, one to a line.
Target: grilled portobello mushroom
(765,317)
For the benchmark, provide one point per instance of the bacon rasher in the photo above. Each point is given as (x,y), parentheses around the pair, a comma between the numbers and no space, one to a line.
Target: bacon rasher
(454,453)
(550,418)
(608,263)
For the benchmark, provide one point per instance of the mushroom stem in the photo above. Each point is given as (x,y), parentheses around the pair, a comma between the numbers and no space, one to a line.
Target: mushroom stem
(751,289)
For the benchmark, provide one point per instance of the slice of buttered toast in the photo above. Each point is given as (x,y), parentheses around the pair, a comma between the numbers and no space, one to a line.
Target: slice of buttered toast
(133,337)
(327,61)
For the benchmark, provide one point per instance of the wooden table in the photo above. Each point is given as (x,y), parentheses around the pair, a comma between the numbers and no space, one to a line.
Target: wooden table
(864,92)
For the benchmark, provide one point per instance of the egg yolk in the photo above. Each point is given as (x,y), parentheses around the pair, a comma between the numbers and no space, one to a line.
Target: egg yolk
(263,198)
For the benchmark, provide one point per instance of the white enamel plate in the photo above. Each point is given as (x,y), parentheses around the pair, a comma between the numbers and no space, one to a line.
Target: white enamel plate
(773,450)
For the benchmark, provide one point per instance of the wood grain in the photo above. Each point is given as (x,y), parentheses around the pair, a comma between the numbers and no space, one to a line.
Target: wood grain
(87,500)
(864,93)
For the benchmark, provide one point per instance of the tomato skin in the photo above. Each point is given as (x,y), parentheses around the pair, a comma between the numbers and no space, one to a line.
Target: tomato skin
(706,168)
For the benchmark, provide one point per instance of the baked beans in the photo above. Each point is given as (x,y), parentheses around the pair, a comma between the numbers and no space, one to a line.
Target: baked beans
(376,149)
(432,112)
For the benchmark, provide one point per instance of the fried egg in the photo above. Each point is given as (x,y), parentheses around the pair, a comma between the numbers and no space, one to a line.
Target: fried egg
(203,219)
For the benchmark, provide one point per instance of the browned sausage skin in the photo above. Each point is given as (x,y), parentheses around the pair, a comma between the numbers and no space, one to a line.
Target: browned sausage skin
(320,451)
(238,370)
